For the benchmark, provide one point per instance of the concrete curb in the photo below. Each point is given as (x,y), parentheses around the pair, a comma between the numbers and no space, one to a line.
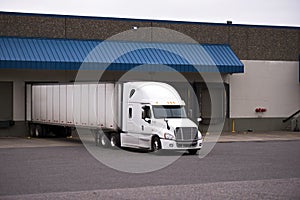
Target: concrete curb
(226,137)
(258,136)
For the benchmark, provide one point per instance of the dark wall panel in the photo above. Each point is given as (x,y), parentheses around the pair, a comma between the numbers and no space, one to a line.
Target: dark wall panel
(272,44)
(32,26)
(238,40)
(78,28)
(207,34)
(6,101)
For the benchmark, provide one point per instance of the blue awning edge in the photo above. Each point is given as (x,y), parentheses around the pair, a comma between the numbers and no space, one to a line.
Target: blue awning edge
(69,54)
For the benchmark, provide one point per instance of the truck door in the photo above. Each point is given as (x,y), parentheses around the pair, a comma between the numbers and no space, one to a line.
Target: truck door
(138,126)
(145,126)
(130,138)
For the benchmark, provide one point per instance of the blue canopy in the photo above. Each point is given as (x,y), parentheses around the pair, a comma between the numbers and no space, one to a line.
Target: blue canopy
(67,54)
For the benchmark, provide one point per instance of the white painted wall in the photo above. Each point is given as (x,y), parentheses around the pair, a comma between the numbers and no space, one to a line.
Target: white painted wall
(270,84)
(19,77)
(273,85)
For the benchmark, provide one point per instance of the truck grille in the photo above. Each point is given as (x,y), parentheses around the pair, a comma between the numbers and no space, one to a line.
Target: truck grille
(186,136)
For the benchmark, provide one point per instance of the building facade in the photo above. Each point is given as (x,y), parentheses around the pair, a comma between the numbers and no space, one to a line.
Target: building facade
(269,80)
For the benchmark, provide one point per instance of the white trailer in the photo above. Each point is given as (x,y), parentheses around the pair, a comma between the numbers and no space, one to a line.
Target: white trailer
(148,115)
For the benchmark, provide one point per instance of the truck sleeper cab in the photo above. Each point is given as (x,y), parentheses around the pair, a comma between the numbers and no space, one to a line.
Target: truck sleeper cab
(156,119)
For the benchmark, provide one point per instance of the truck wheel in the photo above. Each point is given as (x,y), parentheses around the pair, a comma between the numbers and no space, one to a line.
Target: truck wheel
(192,151)
(155,144)
(39,132)
(115,140)
(97,138)
(32,130)
(104,141)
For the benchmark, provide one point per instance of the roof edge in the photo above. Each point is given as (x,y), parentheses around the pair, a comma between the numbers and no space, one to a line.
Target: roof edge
(122,41)
(147,20)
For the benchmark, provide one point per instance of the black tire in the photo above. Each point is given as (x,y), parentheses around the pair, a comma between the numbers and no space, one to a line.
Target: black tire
(155,144)
(51,131)
(39,131)
(115,140)
(104,141)
(58,131)
(97,138)
(62,131)
(32,130)
(193,151)
(69,132)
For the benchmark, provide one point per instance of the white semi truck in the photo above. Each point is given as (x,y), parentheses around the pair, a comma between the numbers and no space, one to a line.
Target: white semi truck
(148,115)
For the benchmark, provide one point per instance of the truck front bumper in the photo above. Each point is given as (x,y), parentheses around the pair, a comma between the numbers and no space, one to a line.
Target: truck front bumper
(180,145)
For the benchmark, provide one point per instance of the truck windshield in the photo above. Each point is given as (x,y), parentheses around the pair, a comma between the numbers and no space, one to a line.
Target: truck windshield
(169,112)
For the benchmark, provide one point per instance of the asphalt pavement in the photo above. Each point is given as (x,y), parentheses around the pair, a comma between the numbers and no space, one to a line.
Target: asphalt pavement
(17,142)
(258,189)
(240,166)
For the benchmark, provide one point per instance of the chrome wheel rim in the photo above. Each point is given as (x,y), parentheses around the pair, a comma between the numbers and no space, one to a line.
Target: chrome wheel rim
(36,132)
(113,141)
(103,140)
(155,145)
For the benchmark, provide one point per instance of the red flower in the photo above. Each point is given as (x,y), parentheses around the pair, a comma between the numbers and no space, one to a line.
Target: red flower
(260,110)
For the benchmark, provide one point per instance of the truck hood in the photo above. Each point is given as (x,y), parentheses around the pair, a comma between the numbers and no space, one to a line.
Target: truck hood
(183,122)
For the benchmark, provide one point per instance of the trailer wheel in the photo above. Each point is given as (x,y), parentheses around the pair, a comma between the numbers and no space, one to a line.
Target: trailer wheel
(104,141)
(97,137)
(32,130)
(155,144)
(115,140)
(39,131)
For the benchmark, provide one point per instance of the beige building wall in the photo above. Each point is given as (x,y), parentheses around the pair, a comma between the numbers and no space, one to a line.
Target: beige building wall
(273,85)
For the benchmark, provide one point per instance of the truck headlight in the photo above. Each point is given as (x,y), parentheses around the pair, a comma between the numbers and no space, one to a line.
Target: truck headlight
(168,136)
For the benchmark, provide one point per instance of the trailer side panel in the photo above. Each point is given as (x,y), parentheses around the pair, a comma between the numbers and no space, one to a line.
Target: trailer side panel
(36,103)
(109,105)
(87,105)
(55,103)
(77,104)
(101,109)
(92,105)
(49,106)
(63,104)
(43,102)
(70,118)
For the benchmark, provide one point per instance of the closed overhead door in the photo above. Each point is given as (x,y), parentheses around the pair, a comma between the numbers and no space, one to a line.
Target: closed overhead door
(6,101)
